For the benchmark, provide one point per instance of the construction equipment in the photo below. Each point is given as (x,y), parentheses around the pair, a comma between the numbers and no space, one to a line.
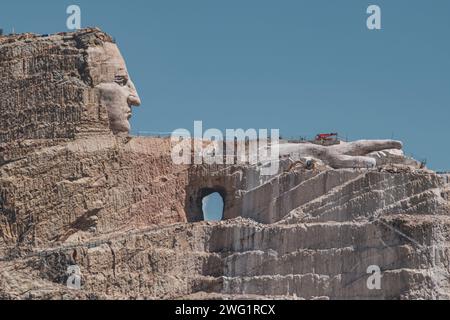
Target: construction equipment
(327,137)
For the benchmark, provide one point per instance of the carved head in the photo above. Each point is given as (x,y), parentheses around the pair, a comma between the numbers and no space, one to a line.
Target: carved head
(63,86)
(116,90)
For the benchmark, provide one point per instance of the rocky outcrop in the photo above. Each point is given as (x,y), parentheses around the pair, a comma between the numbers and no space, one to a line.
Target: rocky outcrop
(89,186)
(46,87)
(65,169)
(321,249)
(76,190)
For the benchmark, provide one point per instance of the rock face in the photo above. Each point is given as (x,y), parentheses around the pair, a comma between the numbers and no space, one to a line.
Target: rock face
(46,87)
(76,190)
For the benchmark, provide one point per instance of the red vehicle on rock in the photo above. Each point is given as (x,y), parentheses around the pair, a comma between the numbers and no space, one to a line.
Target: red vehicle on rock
(322,137)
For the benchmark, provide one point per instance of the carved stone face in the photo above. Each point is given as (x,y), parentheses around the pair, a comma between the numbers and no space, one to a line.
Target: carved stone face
(117,92)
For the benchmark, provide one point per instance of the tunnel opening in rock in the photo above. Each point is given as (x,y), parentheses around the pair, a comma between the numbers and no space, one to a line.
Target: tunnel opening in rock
(213,207)
(195,202)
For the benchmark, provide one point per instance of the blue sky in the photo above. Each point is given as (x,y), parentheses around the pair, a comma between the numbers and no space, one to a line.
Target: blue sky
(212,207)
(301,66)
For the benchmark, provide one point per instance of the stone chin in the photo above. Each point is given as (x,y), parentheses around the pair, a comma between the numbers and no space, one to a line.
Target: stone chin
(120,127)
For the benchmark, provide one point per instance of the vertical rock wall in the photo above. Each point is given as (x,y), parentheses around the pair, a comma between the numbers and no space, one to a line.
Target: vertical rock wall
(73,193)
(46,87)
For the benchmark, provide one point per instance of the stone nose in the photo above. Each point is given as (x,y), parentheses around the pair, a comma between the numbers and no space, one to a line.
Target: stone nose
(133,99)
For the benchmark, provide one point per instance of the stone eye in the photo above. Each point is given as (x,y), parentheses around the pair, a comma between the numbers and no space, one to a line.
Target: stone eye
(121,80)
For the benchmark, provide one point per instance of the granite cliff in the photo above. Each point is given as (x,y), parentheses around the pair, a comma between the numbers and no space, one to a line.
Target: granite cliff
(76,189)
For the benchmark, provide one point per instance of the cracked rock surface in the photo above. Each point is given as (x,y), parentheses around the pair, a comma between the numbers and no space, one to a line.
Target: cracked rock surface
(73,192)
